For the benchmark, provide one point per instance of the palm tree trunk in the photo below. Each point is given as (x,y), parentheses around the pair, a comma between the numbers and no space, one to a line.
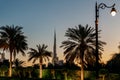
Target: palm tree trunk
(82,70)
(40,75)
(40,71)
(3,73)
(53,73)
(65,74)
(10,66)
(29,72)
(82,62)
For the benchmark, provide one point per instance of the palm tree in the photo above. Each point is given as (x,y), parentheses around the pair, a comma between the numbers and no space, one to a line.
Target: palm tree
(18,66)
(18,63)
(13,40)
(80,44)
(40,54)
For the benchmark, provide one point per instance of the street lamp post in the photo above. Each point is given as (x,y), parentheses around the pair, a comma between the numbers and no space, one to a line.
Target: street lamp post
(113,12)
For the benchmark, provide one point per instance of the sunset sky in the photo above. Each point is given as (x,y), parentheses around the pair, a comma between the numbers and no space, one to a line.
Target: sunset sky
(39,18)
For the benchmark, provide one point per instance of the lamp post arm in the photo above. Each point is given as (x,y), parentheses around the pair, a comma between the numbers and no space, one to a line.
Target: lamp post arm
(103,6)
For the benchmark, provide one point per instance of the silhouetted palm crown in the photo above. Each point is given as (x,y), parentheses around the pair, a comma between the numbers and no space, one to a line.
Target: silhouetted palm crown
(18,63)
(38,53)
(13,39)
(80,44)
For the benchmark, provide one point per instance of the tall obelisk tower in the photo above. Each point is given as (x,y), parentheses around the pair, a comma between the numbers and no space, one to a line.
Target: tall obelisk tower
(54,57)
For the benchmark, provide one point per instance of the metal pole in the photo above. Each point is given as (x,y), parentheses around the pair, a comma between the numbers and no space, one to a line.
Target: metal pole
(97,7)
(96,28)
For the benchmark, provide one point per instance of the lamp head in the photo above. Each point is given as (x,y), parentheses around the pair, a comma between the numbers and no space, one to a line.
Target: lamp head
(113,11)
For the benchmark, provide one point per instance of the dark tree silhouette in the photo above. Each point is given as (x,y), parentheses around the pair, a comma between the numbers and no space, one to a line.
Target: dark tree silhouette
(113,65)
(80,46)
(13,40)
(18,63)
(39,54)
